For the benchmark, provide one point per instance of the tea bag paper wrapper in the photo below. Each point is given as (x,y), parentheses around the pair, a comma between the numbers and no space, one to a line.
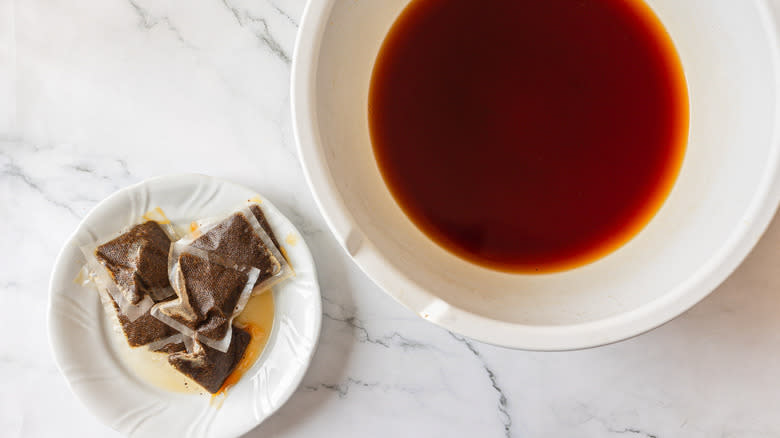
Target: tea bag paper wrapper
(126,265)
(173,340)
(211,291)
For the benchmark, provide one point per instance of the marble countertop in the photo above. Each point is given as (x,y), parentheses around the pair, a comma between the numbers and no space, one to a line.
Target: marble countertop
(99,94)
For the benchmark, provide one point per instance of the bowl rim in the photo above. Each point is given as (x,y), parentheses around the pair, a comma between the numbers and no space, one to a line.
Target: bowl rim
(382,272)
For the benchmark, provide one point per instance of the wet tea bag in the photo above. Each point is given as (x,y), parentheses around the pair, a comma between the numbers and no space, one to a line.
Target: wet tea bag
(211,291)
(208,269)
(246,238)
(206,366)
(145,330)
(132,266)
(257,212)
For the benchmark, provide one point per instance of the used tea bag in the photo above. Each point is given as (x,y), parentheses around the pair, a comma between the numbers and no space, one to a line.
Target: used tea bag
(207,366)
(208,270)
(133,267)
(211,291)
(171,347)
(261,219)
(145,330)
(246,238)
(137,261)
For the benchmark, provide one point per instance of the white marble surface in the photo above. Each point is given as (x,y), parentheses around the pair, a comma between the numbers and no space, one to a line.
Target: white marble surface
(98,94)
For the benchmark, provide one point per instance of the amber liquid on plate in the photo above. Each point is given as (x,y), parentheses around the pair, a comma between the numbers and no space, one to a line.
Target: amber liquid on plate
(529,135)
(257,318)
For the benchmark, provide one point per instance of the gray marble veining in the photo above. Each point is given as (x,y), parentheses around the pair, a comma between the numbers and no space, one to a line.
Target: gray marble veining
(102,94)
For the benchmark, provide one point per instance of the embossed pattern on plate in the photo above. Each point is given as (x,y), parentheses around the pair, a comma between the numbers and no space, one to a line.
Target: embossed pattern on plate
(80,337)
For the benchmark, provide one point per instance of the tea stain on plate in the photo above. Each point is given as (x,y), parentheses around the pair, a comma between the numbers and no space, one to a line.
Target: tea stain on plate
(157,215)
(151,367)
(258,319)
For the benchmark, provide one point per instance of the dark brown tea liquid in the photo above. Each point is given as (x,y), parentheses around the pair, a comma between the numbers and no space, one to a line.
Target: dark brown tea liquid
(529,135)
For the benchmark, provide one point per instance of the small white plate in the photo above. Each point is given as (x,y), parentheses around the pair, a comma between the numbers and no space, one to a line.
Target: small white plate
(81,339)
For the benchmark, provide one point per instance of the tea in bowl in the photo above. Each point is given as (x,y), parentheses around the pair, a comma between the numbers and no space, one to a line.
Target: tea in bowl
(536,176)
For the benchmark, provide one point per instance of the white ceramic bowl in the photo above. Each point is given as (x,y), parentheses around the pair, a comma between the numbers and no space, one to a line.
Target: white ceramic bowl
(726,194)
